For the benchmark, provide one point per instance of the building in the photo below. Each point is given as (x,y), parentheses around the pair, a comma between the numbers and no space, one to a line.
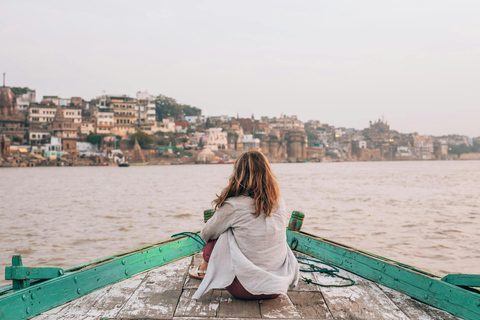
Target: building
(215,139)
(124,115)
(249,142)
(377,132)
(40,114)
(89,124)
(54,150)
(195,119)
(423,146)
(37,137)
(25,99)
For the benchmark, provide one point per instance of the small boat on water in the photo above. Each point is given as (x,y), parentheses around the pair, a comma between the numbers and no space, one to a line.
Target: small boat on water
(151,282)
(123,164)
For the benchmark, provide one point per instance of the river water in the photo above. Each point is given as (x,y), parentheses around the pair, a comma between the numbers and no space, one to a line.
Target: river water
(426,214)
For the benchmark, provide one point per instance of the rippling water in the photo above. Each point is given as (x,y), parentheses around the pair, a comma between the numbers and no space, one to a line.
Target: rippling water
(426,214)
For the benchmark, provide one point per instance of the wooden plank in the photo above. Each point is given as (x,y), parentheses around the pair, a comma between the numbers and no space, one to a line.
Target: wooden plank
(413,282)
(279,308)
(206,306)
(158,295)
(414,308)
(117,296)
(76,308)
(310,304)
(19,305)
(191,283)
(231,307)
(364,300)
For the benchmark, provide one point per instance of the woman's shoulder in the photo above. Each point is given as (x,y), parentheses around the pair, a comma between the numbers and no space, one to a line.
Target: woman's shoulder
(239,201)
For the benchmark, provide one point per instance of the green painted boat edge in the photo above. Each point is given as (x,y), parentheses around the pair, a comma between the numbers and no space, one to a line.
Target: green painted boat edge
(416,283)
(42,296)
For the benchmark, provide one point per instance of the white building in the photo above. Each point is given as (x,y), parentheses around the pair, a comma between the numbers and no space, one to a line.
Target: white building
(38,137)
(167,125)
(249,142)
(215,139)
(195,119)
(41,113)
(74,113)
(87,149)
(24,100)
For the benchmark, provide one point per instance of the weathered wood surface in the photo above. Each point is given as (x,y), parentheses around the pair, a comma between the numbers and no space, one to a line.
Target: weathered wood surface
(158,295)
(165,293)
(414,308)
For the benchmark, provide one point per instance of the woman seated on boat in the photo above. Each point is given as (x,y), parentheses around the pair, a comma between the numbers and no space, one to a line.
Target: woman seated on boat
(247,251)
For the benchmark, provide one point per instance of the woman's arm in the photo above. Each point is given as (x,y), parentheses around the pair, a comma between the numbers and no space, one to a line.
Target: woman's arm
(219,223)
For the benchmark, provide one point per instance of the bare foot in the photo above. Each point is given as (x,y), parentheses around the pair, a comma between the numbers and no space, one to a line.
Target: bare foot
(203,266)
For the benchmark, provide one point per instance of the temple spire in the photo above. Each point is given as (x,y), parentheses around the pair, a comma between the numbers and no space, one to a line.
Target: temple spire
(4,79)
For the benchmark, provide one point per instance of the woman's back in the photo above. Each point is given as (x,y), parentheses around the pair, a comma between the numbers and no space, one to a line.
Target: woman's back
(263,239)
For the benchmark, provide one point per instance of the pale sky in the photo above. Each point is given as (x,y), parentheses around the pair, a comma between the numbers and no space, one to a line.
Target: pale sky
(417,63)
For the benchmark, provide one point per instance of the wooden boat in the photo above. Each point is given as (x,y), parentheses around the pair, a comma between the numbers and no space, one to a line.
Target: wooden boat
(123,164)
(152,283)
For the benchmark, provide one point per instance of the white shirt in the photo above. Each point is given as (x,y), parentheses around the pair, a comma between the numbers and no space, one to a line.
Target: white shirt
(255,250)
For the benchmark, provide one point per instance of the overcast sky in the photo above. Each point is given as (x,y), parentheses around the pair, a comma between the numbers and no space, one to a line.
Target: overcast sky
(417,63)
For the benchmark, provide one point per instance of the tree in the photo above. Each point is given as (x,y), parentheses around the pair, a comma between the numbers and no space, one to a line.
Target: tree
(458,149)
(143,138)
(93,138)
(19,90)
(169,107)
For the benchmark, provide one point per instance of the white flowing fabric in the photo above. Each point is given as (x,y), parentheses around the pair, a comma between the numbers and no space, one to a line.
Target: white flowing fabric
(255,250)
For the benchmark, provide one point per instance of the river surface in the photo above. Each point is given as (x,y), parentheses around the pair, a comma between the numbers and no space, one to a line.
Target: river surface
(426,214)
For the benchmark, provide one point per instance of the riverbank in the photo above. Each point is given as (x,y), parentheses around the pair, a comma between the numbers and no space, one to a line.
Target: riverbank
(182,157)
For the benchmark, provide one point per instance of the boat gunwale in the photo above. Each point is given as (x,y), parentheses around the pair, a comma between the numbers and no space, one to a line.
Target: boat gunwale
(463,302)
(19,304)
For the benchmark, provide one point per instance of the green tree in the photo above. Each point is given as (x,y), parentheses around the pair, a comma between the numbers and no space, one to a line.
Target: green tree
(458,149)
(93,138)
(169,107)
(19,90)
(143,138)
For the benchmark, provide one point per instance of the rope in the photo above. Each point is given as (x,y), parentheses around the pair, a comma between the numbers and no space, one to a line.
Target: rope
(193,235)
(314,268)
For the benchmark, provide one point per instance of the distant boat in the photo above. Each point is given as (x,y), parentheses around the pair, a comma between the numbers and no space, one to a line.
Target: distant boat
(138,158)
(123,164)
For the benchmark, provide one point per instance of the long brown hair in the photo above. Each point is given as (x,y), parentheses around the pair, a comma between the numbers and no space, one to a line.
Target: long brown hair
(253,177)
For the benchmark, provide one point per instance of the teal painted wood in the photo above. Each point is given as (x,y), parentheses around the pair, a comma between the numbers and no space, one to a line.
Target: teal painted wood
(18,284)
(45,295)
(416,283)
(26,273)
(466,280)
(296,221)
(207,214)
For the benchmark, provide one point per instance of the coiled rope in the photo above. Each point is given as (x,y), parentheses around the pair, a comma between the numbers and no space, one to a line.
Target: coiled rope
(314,268)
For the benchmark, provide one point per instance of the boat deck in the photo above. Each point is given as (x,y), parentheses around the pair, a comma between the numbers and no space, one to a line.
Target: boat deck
(165,293)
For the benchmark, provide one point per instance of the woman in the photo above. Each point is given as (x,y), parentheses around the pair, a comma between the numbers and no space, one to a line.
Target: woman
(250,257)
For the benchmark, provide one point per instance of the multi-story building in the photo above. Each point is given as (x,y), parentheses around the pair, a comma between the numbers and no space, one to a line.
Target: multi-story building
(145,112)
(215,139)
(124,115)
(41,114)
(284,123)
(89,124)
(423,146)
(74,113)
